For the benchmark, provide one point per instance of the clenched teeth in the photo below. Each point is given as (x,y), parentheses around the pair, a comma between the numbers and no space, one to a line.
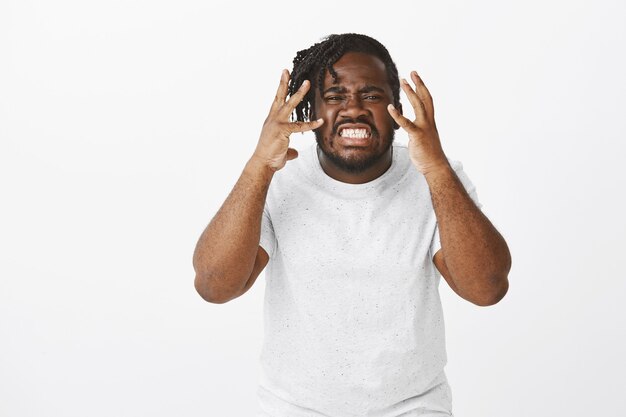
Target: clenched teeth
(354,133)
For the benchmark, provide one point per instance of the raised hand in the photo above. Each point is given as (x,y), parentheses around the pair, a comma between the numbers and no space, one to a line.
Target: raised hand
(273,148)
(424,145)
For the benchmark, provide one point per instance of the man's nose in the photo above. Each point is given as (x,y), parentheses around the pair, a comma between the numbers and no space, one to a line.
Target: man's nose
(353,108)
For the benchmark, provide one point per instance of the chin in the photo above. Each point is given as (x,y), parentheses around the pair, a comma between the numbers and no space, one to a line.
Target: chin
(356,161)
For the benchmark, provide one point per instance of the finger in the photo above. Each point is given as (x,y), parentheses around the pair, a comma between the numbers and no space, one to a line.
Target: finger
(402,121)
(304,126)
(296,97)
(424,94)
(418,105)
(283,87)
(291,154)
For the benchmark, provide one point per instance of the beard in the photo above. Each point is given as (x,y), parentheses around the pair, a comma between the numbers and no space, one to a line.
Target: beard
(356,163)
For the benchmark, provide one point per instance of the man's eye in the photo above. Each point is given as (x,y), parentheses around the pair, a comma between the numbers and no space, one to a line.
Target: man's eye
(333,98)
(372,97)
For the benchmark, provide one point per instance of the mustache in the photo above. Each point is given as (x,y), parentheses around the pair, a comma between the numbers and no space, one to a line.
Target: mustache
(358,120)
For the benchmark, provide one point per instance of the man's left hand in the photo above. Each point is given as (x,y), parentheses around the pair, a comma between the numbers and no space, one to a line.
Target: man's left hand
(424,144)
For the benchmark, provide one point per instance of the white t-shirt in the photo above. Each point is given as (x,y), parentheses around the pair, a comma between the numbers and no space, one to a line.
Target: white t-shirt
(352,316)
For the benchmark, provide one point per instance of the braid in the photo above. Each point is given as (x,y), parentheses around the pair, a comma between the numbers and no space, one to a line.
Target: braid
(312,63)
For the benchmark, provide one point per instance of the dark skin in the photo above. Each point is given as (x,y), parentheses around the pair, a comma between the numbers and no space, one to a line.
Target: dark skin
(361,93)
(474,258)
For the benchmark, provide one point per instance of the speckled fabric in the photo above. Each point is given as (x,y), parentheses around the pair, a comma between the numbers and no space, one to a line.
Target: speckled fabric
(352,315)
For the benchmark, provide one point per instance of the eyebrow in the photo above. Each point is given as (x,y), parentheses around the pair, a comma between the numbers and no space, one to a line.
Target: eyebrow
(341,90)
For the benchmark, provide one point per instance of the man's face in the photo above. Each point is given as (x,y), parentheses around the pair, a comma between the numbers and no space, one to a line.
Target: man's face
(357,129)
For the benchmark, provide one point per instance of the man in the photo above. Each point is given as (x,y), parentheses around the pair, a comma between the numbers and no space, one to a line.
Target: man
(353,233)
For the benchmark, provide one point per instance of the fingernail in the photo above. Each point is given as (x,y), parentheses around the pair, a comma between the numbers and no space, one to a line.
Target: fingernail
(319,120)
(391,107)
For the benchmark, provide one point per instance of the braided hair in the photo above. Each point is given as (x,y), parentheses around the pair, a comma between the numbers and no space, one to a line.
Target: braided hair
(312,63)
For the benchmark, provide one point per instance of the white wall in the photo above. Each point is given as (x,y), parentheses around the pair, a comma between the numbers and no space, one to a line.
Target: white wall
(124,124)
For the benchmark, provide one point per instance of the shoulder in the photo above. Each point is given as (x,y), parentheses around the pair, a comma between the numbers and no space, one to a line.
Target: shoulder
(294,169)
(295,178)
(402,152)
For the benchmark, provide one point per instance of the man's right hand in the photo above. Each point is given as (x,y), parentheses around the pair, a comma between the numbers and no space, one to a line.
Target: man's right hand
(273,148)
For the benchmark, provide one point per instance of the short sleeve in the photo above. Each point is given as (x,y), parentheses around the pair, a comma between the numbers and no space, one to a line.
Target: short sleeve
(268,238)
(471,190)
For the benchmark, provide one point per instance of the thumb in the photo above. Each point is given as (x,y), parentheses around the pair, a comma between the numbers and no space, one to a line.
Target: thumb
(291,154)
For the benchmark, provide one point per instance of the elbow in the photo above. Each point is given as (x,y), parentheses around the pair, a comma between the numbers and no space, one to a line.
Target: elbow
(498,286)
(210,293)
(493,296)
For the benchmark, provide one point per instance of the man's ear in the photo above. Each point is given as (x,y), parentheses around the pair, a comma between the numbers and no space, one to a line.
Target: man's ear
(398,107)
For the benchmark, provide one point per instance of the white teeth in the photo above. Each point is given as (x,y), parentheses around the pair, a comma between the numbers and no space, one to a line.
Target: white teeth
(354,133)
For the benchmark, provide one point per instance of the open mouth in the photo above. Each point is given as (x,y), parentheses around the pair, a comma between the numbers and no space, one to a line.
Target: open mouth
(359,133)
(355,134)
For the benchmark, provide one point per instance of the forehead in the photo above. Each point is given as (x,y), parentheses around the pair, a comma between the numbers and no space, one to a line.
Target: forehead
(358,68)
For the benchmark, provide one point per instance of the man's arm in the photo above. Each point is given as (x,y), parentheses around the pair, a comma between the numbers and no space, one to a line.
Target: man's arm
(474,258)
(228,258)
(226,252)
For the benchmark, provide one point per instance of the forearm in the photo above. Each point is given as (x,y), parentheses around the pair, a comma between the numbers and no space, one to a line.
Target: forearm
(225,253)
(475,254)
